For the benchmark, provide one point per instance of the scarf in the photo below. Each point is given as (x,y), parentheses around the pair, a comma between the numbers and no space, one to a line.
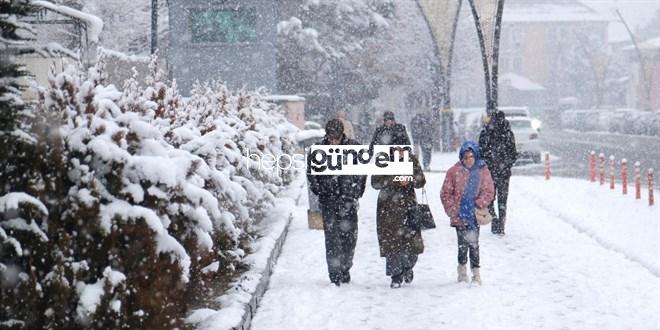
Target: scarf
(468,201)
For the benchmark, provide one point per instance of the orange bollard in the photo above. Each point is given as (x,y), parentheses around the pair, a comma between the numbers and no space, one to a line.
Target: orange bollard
(592,166)
(624,176)
(611,172)
(650,187)
(601,166)
(638,182)
(546,170)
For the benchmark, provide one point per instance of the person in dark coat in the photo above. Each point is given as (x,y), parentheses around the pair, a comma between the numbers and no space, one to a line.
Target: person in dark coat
(398,244)
(498,147)
(338,200)
(421,129)
(468,185)
(364,126)
(390,133)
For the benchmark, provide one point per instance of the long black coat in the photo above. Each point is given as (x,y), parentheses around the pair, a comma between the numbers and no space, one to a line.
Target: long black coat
(421,129)
(498,146)
(394,200)
(396,134)
(338,192)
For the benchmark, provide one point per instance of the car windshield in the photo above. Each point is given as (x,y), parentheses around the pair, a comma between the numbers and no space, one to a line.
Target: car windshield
(520,124)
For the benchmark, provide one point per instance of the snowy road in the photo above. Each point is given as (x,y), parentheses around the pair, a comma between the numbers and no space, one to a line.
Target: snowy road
(548,272)
(571,152)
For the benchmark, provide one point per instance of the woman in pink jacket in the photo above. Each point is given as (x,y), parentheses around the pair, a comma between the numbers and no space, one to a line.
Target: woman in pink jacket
(467,186)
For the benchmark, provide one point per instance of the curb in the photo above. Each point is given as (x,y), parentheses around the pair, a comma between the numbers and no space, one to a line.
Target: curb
(250,308)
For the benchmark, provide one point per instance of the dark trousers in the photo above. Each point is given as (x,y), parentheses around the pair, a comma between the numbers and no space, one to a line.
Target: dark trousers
(502,191)
(340,229)
(397,264)
(427,150)
(468,241)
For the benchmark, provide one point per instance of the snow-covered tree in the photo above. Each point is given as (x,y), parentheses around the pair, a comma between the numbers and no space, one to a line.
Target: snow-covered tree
(343,52)
(15,142)
(142,199)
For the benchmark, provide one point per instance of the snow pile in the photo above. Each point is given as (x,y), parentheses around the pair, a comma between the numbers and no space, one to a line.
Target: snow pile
(246,290)
(154,192)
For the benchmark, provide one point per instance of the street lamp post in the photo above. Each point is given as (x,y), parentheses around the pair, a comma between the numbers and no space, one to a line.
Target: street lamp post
(489,26)
(441,17)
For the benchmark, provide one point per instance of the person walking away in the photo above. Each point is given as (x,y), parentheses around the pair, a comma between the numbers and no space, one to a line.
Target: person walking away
(364,126)
(348,127)
(468,185)
(398,244)
(421,129)
(338,200)
(498,146)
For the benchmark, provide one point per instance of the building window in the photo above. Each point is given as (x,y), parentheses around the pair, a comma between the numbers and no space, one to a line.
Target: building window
(223,25)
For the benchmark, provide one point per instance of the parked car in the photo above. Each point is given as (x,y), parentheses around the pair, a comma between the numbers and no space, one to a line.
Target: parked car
(468,123)
(514,112)
(528,143)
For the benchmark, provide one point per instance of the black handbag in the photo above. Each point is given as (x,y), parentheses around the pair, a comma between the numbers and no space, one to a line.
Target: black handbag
(419,216)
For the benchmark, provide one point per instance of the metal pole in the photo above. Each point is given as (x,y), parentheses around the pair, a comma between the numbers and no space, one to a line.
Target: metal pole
(496,53)
(482,45)
(154,26)
(447,100)
(642,62)
(437,67)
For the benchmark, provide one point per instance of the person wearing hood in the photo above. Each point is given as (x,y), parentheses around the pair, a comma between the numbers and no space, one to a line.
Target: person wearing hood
(338,200)
(498,147)
(468,185)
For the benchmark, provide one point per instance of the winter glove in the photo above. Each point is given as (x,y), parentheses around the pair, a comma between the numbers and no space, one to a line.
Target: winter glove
(458,223)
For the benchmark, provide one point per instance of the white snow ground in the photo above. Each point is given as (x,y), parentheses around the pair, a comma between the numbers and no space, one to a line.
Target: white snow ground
(576,256)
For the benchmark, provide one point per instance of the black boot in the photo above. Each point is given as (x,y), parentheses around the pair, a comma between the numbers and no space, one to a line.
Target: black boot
(336,279)
(408,276)
(396,281)
(346,277)
(495,226)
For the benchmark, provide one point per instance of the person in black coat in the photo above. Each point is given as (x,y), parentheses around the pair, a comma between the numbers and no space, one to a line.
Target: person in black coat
(421,128)
(390,133)
(338,201)
(498,146)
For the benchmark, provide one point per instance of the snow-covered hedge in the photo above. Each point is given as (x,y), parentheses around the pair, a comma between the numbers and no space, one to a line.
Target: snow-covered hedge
(140,191)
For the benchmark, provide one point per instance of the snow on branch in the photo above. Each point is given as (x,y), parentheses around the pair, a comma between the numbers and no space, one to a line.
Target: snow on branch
(94,24)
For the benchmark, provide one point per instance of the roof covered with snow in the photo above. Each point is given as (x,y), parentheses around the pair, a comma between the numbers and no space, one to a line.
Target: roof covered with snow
(284,98)
(519,82)
(647,45)
(650,44)
(530,11)
(94,24)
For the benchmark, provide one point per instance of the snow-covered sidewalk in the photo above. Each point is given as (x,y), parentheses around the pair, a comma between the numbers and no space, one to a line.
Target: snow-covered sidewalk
(572,258)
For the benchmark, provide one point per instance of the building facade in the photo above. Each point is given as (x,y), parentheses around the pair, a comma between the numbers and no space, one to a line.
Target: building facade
(228,40)
(558,44)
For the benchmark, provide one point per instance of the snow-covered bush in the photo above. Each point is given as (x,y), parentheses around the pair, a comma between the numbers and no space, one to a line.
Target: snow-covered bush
(140,190)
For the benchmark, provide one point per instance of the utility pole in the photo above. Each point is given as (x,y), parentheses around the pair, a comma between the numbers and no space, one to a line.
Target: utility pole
(642,64)
(154,26)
